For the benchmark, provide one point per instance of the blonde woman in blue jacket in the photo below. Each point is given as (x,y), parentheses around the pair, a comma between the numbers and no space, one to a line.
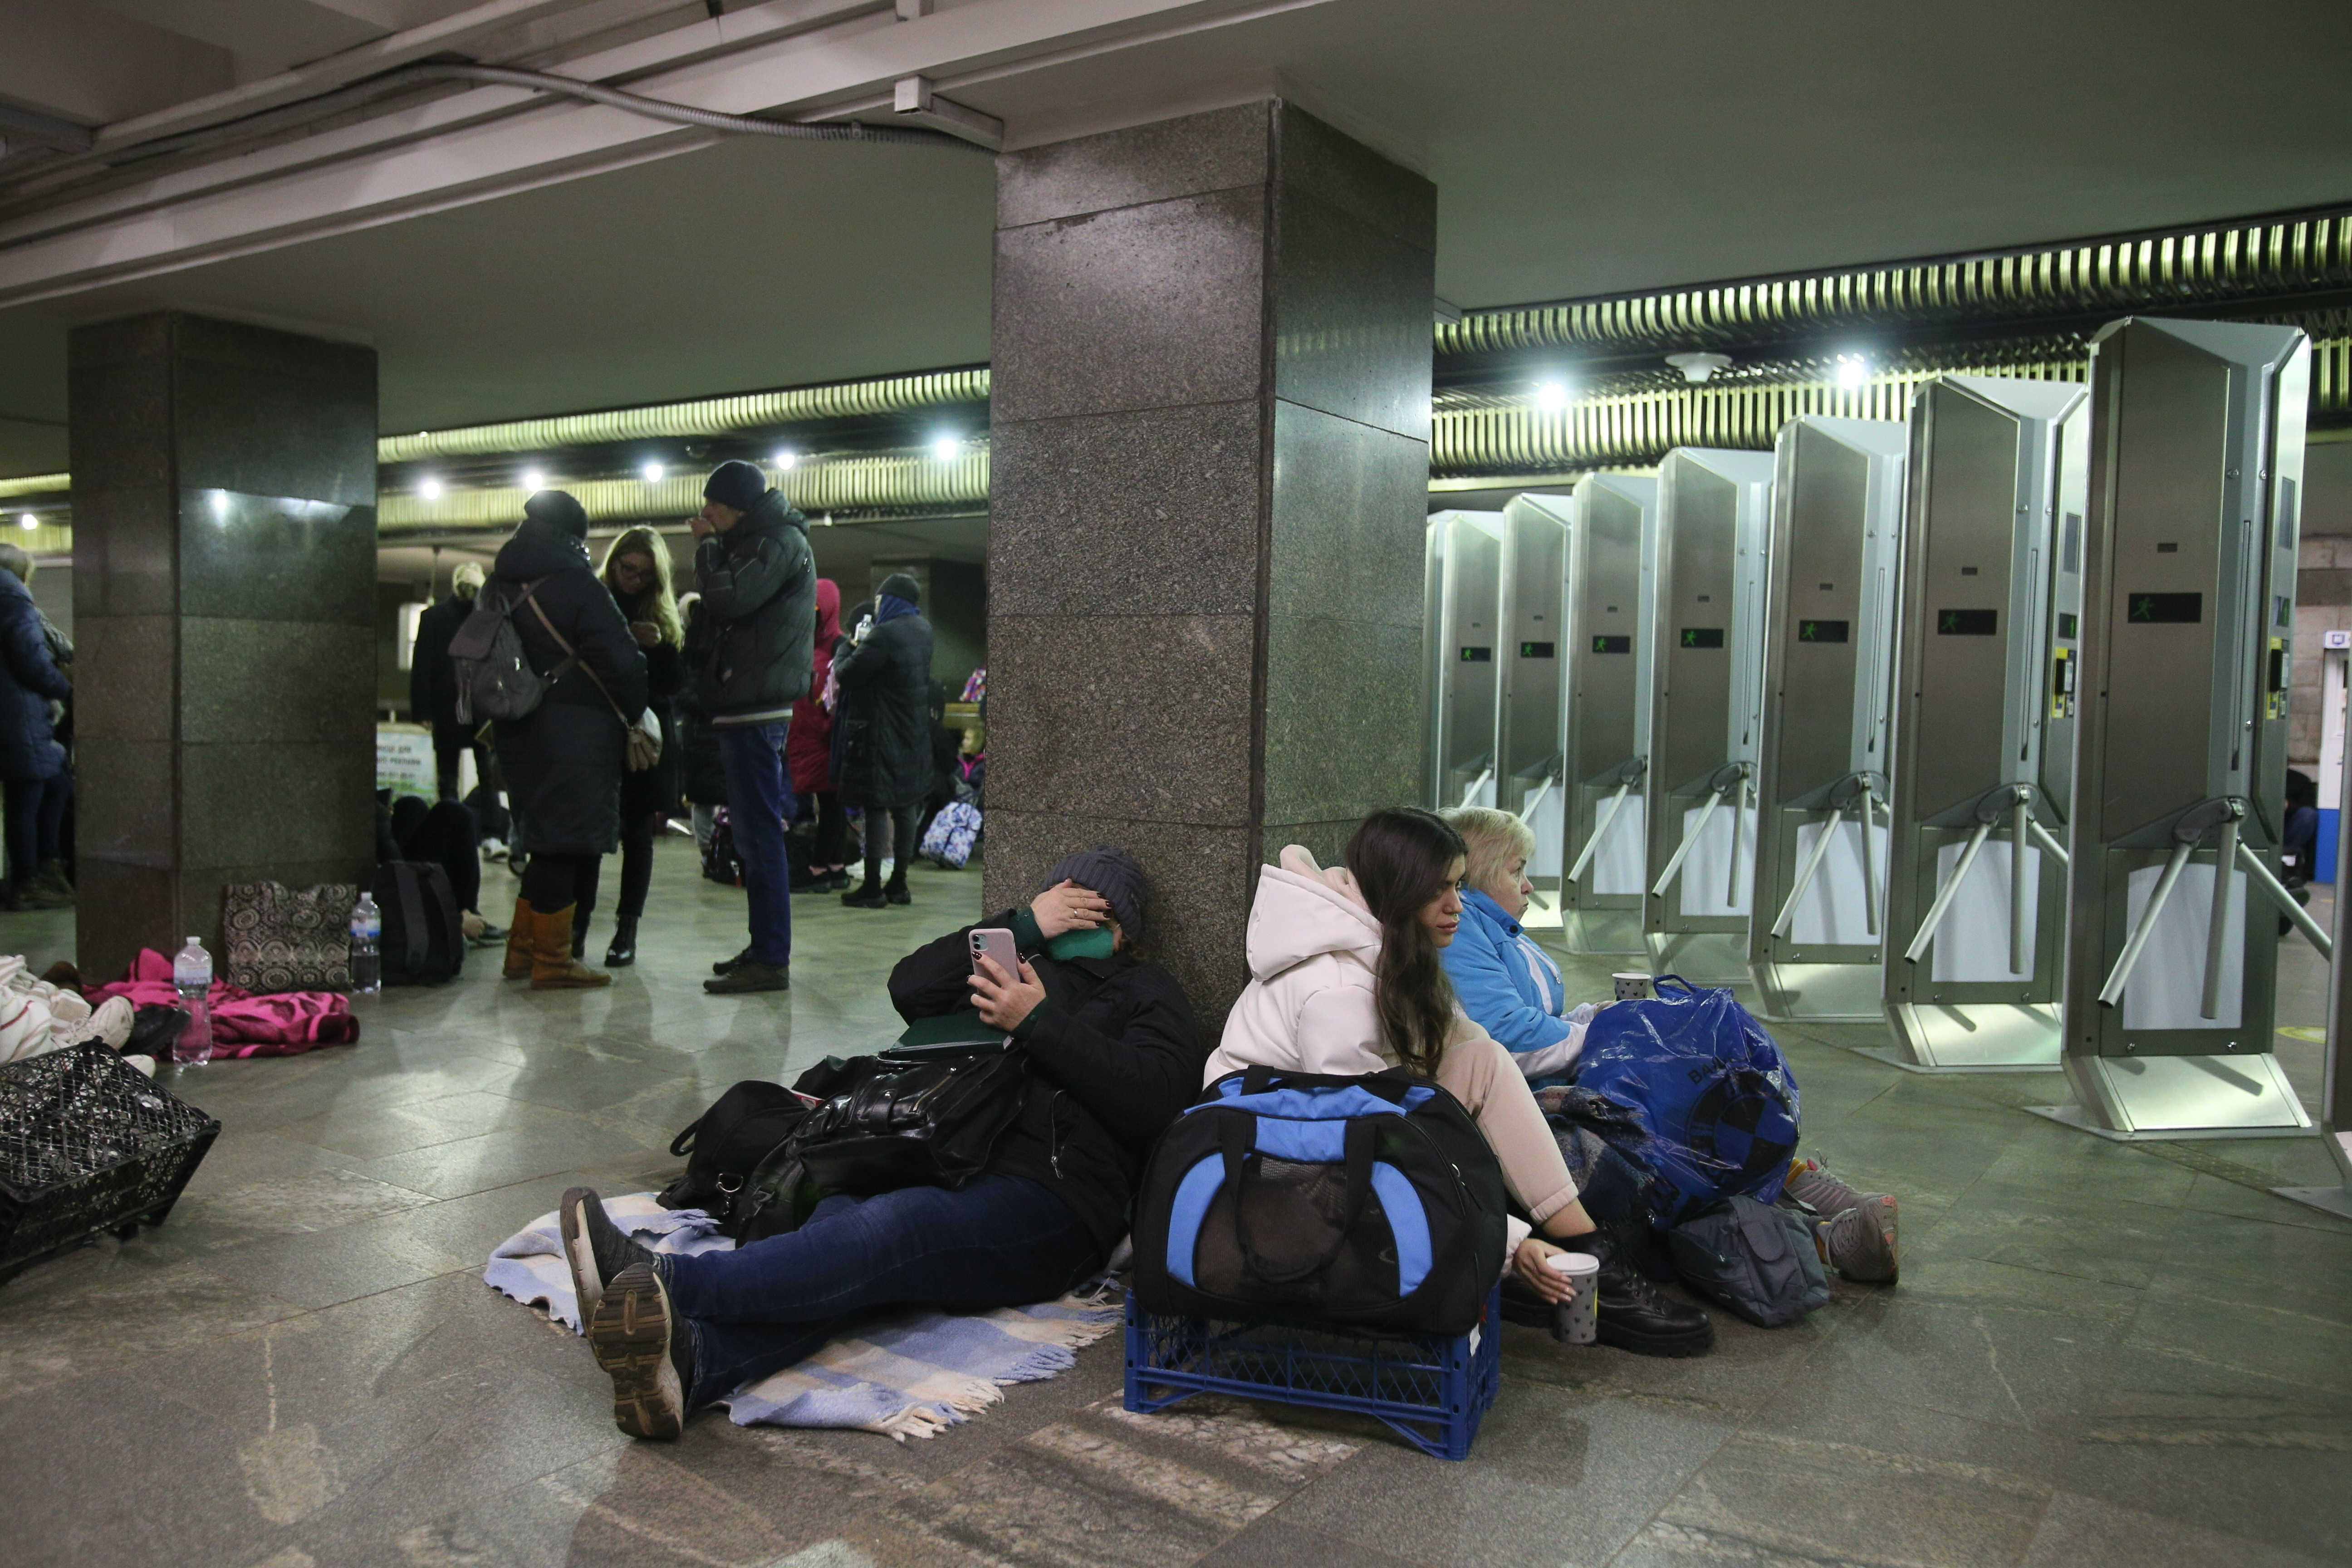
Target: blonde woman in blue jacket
(1503,979)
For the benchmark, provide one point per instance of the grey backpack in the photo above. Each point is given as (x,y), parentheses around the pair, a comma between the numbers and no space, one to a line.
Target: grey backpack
(1757,1261)
(494,679)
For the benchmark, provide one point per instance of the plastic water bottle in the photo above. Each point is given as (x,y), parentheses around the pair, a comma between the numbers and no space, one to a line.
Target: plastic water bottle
(367,946)
(191,977)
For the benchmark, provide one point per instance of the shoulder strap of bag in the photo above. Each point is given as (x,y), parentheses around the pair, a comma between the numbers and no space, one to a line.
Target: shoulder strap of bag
(411,915)
(570,659)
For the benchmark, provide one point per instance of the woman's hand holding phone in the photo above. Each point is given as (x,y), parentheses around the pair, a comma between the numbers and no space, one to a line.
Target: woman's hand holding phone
(1003,1000)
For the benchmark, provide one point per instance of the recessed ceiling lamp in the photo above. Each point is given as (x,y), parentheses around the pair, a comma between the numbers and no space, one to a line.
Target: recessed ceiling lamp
(533,480)
(1853,370)
(786,459)
(945,449)
(429,488)
(1698,367)
(651,473)
(1551,396)
(28,520)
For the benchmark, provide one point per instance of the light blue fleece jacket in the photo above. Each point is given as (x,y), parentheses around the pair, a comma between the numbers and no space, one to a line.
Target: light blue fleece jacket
(1511,988)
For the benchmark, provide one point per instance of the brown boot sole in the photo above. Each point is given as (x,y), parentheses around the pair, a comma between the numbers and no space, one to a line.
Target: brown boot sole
(629,1334)
(575,977)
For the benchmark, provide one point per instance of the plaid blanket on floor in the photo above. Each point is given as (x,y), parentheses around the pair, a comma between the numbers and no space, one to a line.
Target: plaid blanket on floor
(910,1373)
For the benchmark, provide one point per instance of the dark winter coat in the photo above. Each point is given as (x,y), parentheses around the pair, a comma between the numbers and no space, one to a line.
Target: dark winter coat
(1116,1055)
(704,775)
(563,761)
(758,591)
(886,716)
(808,750)
(29,680)
(656,789)
(432,676)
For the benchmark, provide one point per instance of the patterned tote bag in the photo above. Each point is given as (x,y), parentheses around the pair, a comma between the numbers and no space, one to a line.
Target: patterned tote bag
(278,940)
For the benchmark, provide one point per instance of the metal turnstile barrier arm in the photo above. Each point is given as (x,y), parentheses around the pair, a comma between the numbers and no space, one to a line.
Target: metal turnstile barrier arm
(1691,835)
(1476,785)
(1869,859)
(2217,930)
(1863,803)
(2260,875)
(1946,893)
(1806,872)
(1600,828)
(2128,960)
(1527,812)
(2050,845)
(2021,823)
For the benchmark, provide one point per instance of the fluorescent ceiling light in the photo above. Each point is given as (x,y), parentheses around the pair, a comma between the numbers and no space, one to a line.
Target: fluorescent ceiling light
(945,449)
(653,473)
(1551,396)
(429,488)
(533,480)
(1853,370)
(786,459)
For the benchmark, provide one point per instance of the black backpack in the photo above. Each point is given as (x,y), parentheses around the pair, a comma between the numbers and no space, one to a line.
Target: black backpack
(1756,1259)
(735,1151)
(1370,1201)
(720,863)
(424,939)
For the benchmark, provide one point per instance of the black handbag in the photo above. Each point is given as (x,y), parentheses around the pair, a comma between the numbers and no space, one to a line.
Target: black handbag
(728,1151)
(905,1124)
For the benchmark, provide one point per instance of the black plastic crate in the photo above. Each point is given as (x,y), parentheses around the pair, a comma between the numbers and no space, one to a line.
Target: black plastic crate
(89,1143)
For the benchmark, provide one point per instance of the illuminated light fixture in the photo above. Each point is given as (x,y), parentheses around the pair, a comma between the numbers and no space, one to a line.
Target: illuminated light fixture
(786,459)
(533,480)
(1551,396)
(429,488)
(653,473)
(945,449)
(28,520)
(1698,367)
(220,504)
(1853,370)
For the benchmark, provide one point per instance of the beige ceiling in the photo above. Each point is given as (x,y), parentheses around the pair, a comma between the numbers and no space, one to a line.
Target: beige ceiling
(1579,146)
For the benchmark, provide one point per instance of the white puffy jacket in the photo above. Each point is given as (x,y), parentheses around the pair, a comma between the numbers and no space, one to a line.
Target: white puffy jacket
(1312,945)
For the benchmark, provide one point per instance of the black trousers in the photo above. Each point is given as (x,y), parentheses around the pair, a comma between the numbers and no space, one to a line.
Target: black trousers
(899,842)
(447,751)
(832,831)
(636,864)
(552,883)
(443,835)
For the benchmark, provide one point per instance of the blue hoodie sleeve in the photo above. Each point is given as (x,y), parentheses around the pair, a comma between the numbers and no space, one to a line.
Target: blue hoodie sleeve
(1477,962)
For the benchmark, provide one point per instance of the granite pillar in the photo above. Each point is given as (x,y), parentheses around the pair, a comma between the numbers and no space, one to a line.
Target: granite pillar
(224,618)
(1209,476)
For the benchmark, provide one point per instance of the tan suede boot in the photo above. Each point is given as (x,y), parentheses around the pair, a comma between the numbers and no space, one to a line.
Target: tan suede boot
(519,941)
(553,967)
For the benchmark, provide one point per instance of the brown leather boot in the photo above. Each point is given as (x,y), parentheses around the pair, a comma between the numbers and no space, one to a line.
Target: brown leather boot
(519,941)
(553,967)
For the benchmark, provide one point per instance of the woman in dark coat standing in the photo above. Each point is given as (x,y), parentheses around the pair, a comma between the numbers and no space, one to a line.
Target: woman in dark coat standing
(32,763)
(563,760)
(808,749)
(885,744)
(636,571)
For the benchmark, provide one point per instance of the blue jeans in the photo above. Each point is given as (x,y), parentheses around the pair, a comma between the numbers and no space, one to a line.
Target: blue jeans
(759,805)
(1002,1241)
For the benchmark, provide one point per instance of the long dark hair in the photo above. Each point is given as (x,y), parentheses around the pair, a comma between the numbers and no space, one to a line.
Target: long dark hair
(1402,860)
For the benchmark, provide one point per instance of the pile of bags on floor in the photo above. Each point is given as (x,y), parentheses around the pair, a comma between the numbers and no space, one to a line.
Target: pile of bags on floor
(37,1016)
(139,1015)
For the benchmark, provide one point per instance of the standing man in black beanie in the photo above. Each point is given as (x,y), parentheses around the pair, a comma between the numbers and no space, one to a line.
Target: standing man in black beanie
(759,594)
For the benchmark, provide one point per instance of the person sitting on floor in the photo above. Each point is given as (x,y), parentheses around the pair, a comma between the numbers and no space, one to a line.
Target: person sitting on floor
(1116,1057)
(1512,989)
(1346,979)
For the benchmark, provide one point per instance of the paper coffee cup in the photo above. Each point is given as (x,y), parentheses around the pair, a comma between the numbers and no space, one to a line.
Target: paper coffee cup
(1632,987)
(1576,1322)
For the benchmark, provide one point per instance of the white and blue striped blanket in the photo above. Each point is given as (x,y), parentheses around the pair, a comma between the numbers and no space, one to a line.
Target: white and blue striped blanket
(909,1373)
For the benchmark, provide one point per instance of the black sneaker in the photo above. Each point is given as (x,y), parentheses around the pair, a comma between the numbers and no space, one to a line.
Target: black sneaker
(729,965)
(646,1352)
(896,893)
(750,976)
(866,897)
(595,1247)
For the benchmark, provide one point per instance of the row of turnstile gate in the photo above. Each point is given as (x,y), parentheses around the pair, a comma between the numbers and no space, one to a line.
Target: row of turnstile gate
(1975,722)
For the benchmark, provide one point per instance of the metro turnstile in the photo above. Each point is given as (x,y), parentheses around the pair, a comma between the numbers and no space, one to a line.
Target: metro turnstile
(1706,683)
(2336,1077)
(1527,713)
(1831,584)
(1461,593)
(1604,727)
(2179,772)
(1984,734)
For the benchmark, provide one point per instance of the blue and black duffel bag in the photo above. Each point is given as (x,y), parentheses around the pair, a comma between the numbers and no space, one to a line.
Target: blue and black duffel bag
(1372,1202)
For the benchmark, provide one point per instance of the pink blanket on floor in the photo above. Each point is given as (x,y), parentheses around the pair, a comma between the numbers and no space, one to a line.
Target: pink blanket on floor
(244,1025)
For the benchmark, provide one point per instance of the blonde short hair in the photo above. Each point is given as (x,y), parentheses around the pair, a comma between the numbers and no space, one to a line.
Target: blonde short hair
(1491,837)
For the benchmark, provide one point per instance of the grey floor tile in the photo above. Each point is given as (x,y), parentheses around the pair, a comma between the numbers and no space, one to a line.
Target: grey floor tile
(103,1314)
(1275,1542)
(2083,1532)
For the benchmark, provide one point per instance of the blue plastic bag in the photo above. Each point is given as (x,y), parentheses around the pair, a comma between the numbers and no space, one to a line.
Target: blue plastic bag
(1710,1085)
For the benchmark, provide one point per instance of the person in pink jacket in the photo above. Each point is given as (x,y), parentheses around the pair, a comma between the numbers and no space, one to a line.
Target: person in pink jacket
(1345,979)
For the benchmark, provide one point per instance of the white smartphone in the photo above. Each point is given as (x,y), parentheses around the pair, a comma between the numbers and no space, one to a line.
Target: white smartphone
(996,942)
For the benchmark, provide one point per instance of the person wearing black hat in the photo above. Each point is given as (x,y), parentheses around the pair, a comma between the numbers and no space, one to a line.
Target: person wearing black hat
(885,725)
(1116,1057)
(563,760)
(759,595)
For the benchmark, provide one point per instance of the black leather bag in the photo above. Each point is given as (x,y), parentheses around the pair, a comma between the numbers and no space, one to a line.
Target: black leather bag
(729,1149)
(890,1124)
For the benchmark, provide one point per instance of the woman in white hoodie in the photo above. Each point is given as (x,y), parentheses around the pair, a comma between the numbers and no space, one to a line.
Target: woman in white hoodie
(1346,978)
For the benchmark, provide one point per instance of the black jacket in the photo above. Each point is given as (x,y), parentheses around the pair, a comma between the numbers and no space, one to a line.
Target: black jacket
(563,761)
(759,594)
(1116,1058)
(29,679)
(885,722)
(432,676)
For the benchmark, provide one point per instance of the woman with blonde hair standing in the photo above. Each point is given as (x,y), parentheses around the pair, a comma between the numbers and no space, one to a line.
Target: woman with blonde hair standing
(638,572)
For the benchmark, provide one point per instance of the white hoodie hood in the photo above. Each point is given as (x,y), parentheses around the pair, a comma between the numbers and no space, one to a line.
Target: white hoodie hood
(1302,911)
(1313,947)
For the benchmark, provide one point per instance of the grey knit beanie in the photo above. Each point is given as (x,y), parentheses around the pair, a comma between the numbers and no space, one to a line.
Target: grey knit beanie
(1114,874)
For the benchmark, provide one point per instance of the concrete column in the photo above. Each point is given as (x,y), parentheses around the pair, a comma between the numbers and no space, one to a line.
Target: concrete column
(1209,475)
(224,618)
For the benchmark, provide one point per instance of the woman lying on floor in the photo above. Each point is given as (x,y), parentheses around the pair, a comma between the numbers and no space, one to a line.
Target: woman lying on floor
(1512,989)
(1116,1057)
(1344,978)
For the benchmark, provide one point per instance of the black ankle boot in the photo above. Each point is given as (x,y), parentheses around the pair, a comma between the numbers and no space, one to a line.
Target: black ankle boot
(580,935)
(624,950)
(1632,1315)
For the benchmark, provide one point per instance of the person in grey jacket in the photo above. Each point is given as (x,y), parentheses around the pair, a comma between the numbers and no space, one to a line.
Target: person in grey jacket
(759,595)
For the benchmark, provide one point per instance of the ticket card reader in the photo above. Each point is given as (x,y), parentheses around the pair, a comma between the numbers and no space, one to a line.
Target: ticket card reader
(1605,722)
(1462,595)
(1832,581)
(1706,679)
(2196,459)
(1528,712)
(1985,721)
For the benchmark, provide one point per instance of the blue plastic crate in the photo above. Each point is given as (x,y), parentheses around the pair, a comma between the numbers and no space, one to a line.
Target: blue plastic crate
(1432,1388)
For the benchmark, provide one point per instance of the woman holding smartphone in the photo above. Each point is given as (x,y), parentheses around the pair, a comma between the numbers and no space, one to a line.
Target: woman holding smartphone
(1115,1058)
